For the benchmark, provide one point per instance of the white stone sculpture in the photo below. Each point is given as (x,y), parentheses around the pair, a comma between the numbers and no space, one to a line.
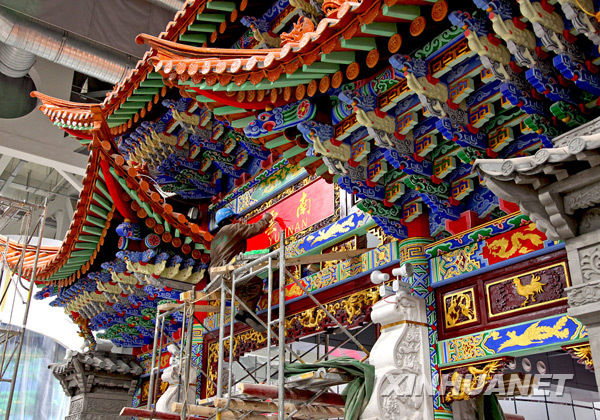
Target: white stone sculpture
(171,376)
(403,389)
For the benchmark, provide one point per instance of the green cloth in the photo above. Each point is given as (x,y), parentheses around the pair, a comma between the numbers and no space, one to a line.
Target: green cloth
(356,393)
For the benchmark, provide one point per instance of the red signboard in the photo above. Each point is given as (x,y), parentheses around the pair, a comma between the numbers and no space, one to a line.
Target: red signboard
(295,213)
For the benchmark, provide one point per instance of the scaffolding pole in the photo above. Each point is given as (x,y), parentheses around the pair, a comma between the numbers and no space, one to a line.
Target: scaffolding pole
(227,404)
(21,331)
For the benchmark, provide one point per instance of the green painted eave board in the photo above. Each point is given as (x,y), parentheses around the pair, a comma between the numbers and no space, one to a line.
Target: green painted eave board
(96,221)
(276,142)
(339,57)
(85,245)
(154,75)
(76,261)
(403,12)
(224,110)
(152,83)
(318,67)
(322,169)
(387,29)
(195,38)
(304,75)
(359,43)
(84,253)
(131,105)
(242,122)
(201,98)
(282,83)
(211,17)
(140,98)
(224,6)
(122,112)
(202,27)
(146,91)
(293,152)
(307,161)
(92,230)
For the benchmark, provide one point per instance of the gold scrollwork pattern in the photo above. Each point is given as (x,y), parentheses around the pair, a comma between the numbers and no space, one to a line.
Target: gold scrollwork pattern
(460,261)
(412,251)
(348,311)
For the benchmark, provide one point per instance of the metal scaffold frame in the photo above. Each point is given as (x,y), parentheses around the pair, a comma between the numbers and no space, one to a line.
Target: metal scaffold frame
(8,335)
(228,406)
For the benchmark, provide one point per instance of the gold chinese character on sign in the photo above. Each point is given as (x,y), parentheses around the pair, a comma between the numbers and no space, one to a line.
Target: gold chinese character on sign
(272,228)
(304,207)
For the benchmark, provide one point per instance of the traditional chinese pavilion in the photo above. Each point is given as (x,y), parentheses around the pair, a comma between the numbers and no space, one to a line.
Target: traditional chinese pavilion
(458,136)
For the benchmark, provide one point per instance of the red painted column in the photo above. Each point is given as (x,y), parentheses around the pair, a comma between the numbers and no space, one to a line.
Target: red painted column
(420,226)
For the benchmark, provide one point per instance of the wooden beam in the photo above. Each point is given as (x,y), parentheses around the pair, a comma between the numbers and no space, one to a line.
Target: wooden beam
(339,57)
(211,411)
(223,6)
(242,122)
(225,110)
(380,28)
(309,412)
(196,38)
(202,27)
(306,259)
(197,308)
(197,295)
(318,67)
(211,17)
(291,395)
(149,414)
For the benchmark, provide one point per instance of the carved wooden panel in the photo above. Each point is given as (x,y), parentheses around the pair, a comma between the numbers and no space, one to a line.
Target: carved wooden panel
(460,308)
(516,293)
(160,389)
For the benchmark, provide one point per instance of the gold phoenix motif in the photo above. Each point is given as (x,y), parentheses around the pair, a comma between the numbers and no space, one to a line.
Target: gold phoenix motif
(534,334)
